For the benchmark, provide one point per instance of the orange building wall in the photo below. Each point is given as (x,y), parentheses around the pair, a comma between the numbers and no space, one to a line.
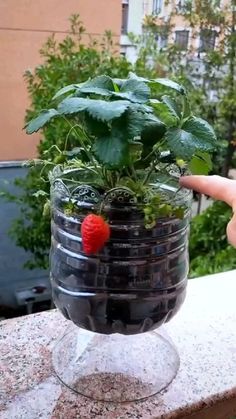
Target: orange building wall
(19,51)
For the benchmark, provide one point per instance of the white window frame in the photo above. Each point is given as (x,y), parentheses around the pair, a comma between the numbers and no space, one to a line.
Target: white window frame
(126,3)
(160,40)
(154,7)
(179,5)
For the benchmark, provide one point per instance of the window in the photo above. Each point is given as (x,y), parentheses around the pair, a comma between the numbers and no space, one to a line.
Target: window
(207,40)
(124,21)
(157,6)
(162,40)
(180,4)
(123,51)
(181,39)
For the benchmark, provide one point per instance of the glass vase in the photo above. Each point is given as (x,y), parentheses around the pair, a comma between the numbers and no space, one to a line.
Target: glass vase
(118,298)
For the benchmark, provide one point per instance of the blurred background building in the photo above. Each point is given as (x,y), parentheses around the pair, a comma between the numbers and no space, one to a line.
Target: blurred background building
(24,27)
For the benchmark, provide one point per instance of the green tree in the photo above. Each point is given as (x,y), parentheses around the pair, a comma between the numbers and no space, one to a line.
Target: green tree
(208,72)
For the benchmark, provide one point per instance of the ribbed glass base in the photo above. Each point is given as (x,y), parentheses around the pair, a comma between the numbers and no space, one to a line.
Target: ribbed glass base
(115,367)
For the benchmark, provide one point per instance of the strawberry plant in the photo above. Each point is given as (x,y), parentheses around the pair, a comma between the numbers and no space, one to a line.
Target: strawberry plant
(119,220)
(129,132)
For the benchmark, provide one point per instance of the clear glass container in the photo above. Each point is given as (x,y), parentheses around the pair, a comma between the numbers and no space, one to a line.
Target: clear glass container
(134,285)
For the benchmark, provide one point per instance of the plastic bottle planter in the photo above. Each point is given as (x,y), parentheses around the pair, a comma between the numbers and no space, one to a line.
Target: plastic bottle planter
(135,284)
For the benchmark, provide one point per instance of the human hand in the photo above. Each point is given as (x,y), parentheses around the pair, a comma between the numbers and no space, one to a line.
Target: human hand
(219,188)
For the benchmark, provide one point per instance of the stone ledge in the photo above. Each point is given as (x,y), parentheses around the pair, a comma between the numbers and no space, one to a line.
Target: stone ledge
(204,331)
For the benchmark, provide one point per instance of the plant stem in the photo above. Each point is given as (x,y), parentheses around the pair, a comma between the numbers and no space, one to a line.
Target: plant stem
(133,172)
(89,155)
(152,168)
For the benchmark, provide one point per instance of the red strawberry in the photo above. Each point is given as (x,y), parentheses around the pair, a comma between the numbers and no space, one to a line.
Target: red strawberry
(95,232)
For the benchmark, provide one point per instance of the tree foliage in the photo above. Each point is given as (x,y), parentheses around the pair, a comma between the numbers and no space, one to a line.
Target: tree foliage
(209,249)
(63,63)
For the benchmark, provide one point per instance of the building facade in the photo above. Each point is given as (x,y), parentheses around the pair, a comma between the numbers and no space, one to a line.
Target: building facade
(133,15)
(24,27)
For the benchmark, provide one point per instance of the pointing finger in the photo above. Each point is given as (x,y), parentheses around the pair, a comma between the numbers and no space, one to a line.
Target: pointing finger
(217,187)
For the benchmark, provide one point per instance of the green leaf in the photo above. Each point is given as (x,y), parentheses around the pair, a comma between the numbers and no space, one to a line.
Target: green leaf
(35,124)
(153,131)
(168,83)
(118,83)
(99,109)
(186,108)
(101,82)
(93,90)
(135,77)
(95,126)
(112,150)
(73,105)
(134,122)
(138,124)
(65,90)
(200,164)
(141,107)
(134,90)
(107,111)
(160,81)
(172,105)
(101,85)
(194,136)
(165,112)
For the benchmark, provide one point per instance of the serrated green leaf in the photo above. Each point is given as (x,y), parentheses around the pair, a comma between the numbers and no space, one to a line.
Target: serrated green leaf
(73,105)
(135,77)
(96,127)
(112,150)
(101,85)
(168,83)
(165,112)
(66,89)
(134,90)
(101,82)
(160,81)
(107,111)
(201,130)
(93,90)
(134,122)
(200,164)
(35,124)
(172,105)
(138,123)
(187,108)
(141,108)
(98,109)
(196,135)
(207,158)
(153,131)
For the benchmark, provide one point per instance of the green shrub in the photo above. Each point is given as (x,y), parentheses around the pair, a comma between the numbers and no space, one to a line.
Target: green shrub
(209,250)
(66,62)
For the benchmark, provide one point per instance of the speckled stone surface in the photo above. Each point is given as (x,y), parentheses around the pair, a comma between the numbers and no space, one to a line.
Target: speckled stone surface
(205,387)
